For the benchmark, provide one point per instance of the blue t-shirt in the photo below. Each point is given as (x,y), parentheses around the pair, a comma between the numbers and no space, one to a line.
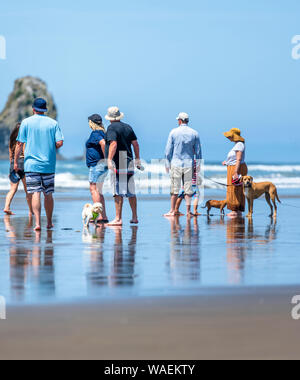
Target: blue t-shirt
(94,152)
(40,133)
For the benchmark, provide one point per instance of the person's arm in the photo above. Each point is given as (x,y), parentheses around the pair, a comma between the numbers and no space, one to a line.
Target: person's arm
(111,154)
(59,137)
(169,152)
(102,145)
(239,157)
(18,151)
(136,148)
(10,155)
(198,153)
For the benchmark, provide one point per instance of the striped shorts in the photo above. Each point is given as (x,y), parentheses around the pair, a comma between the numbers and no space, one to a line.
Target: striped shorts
(40,183)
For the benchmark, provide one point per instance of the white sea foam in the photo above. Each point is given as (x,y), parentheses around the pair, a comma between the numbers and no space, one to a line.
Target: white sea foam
(154,179)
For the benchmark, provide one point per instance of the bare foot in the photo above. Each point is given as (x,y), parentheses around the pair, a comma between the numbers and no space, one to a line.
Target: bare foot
(134,221)
(115,223)
(8,212)
(197,214)
(50,226)
(170,214)
(38,228)
(190,215)
(233,214)
(178,213)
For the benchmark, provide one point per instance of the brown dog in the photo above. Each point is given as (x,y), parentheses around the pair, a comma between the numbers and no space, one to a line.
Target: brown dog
(216,204)
(254,191)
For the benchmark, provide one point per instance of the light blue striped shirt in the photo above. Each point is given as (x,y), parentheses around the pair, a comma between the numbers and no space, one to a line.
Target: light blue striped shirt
(183,147)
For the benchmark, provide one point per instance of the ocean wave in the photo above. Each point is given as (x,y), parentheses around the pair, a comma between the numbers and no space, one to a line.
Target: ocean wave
(155,179)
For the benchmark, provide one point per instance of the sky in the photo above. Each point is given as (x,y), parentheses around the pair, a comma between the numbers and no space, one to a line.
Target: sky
(226,63)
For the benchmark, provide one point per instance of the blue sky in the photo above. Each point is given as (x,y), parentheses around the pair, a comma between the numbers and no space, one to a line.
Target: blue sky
(226,63)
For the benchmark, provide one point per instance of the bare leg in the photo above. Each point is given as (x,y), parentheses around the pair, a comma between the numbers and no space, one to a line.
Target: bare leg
(49,207)
(133,205)
(119,210)
(29,199)
(188,200)
(10,197)
(102,201)
(196,205)
(94,193)
(177,207)
(173,206)
(37,208)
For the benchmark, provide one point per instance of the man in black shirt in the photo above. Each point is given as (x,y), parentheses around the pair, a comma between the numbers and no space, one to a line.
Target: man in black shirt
(120,140)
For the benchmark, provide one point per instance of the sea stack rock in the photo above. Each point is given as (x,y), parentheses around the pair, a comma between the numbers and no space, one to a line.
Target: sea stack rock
(19,107)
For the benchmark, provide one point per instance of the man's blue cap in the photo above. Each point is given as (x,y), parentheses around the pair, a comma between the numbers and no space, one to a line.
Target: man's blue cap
(40,105)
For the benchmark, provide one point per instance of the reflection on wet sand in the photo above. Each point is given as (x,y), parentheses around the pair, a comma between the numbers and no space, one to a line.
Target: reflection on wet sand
(185,251)
(115,272)
(30,269)
(241,242)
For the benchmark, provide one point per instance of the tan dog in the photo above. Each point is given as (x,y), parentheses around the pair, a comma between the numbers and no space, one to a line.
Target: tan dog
(254,191)
(216,204)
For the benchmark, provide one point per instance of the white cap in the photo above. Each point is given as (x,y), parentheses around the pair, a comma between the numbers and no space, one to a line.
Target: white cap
(183,116)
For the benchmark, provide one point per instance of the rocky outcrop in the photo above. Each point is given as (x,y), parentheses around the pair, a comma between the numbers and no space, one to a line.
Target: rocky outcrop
(19,107)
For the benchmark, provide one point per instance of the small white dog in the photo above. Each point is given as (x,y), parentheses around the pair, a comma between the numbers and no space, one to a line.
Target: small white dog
(91,213)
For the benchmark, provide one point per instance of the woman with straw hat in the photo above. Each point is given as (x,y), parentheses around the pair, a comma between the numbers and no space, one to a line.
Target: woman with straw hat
(237,167)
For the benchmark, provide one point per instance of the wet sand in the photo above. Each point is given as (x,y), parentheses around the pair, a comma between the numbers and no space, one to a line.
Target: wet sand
(167,289)
(241,324)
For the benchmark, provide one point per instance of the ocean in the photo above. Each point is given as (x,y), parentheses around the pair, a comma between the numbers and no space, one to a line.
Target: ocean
(73,175)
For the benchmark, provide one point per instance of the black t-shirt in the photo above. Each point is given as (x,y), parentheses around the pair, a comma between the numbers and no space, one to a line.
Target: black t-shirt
(123,134)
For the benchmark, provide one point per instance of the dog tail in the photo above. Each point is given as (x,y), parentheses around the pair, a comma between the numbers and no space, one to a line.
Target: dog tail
(206,205)
(277,197)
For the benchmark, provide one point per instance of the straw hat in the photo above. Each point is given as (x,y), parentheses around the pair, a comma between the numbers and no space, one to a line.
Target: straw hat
(114,114)
(235,134)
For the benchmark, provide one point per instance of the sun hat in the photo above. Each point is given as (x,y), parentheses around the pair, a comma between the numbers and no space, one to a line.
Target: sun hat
(235,134)
(183,116)
(40,105)
(114,114)
(97,119)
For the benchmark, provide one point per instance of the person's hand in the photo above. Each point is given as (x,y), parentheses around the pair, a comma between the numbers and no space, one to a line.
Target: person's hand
(110,165)
(224,163)
(138,163)
(16,167)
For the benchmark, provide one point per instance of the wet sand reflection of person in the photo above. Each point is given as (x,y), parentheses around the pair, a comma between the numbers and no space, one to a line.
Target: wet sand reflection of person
(26,264)
(241,242)
(185,251)
(121,270)
(96,273)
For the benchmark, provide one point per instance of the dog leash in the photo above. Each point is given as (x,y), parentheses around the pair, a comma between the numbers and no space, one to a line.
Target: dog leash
(222,184)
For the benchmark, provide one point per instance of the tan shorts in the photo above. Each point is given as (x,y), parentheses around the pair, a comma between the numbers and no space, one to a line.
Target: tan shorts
(182,177)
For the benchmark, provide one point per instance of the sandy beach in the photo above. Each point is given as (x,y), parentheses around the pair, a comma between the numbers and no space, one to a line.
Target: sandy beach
(250,323)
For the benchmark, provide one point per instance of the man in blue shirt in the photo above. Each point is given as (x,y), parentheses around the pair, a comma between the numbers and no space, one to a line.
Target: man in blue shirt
(42,137)
(183,148)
